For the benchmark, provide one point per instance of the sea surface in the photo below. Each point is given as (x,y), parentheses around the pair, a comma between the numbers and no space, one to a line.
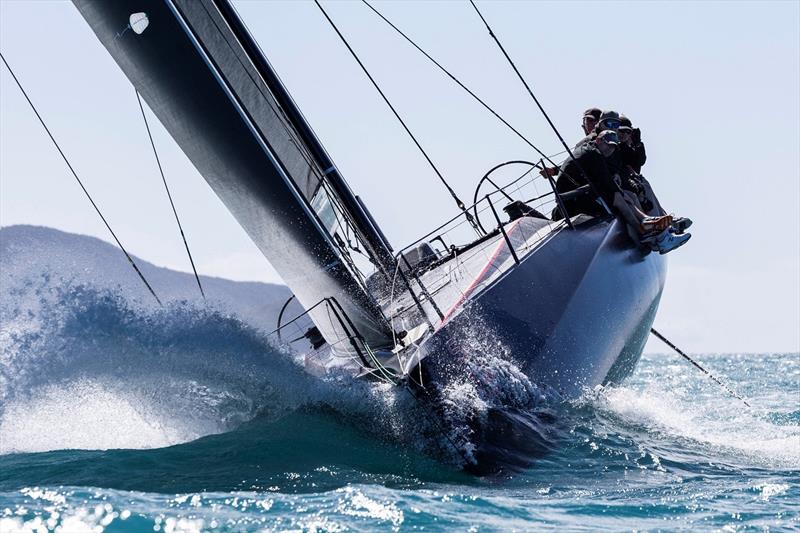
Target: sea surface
(116,415)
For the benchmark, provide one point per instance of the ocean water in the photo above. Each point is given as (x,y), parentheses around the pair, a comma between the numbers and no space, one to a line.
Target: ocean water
(117,416)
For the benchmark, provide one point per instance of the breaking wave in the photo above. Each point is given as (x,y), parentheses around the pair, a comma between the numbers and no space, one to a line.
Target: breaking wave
(84,368)
(87,361)
(86,365)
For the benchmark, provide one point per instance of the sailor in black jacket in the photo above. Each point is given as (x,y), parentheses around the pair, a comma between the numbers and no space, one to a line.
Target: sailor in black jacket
(587,162)
(631,147)
(593,167)
(631,156)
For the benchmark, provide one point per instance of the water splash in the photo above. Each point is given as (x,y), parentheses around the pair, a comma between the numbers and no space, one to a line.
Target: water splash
(84,368)
(89,362)
(697,418)
(86,361)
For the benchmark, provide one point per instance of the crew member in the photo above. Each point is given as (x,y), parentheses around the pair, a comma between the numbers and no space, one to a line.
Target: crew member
(587,161)
(607,120)
(590,118)
(631,148)
(632,156)
(590,162)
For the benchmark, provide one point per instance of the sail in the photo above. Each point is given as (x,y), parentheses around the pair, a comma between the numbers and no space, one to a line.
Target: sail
(369,233)
(193,72)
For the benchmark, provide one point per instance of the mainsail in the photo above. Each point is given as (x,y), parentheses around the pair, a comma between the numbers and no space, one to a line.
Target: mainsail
(203,76)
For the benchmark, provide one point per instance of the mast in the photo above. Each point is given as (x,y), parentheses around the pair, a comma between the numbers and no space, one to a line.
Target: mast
(202,84)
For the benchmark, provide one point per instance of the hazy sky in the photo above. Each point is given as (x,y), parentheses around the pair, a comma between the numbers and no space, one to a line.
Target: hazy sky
(714,87)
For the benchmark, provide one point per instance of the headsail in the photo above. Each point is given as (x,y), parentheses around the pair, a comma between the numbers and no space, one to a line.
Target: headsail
(243,134)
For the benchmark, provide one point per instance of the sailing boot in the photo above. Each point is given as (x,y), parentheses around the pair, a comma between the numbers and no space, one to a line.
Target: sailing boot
(680,225)
(666,242)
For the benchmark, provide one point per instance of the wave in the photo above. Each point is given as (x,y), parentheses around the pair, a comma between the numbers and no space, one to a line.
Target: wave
(86,364)
(671,417)
(692,429)
(82,367)
(85,367)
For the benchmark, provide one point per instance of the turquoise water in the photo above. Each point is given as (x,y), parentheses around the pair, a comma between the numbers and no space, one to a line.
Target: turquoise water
(117,418)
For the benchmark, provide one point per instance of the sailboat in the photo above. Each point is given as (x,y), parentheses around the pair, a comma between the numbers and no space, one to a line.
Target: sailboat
(570,301)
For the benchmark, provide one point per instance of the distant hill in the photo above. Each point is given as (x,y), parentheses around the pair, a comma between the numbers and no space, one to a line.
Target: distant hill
(28,252)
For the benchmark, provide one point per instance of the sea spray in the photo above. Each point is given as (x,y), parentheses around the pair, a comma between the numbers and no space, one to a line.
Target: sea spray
(87,362)
(490,410)
(89,358)
(84,367)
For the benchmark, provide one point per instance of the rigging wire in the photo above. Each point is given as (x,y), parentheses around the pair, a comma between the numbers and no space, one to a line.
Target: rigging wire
(458,201)
(460,84)
(539,105)
(522,79)
(716,380)
(85,191)
(169,195)
(280,317)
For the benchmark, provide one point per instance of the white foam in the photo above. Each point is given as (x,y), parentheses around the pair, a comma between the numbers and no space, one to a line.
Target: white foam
(769,490)
(86,415)
(721,426)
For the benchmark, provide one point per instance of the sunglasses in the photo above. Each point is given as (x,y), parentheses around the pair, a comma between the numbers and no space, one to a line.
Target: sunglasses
(611,123)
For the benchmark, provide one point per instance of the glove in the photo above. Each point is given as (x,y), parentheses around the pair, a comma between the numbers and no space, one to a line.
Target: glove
(636,135)
(634,184)
(549,172)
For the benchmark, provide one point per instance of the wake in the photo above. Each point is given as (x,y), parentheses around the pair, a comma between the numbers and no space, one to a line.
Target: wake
(680,415)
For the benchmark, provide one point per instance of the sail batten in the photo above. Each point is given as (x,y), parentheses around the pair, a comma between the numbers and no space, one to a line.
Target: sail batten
(207,95)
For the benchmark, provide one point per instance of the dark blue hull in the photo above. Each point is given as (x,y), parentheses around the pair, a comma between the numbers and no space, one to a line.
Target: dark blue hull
(574,313)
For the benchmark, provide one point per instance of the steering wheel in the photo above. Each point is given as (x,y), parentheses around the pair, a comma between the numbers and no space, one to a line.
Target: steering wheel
(486,177)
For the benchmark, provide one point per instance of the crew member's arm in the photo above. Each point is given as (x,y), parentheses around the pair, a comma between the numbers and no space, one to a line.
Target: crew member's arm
(640,156)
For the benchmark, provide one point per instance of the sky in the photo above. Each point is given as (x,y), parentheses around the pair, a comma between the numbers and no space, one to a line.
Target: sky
(713,85)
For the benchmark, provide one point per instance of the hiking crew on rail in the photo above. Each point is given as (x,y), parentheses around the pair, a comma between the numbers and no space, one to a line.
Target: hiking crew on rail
(610,157)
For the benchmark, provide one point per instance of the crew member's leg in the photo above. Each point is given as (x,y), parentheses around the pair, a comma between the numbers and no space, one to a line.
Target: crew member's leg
(656,210)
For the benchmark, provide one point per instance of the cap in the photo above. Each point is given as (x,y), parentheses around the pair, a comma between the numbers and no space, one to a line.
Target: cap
(593,112)
(608,137)
(609,114)
(625,123)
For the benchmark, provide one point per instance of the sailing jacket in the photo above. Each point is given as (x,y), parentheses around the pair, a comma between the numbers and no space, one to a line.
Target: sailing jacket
(633,156)
(588,163)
